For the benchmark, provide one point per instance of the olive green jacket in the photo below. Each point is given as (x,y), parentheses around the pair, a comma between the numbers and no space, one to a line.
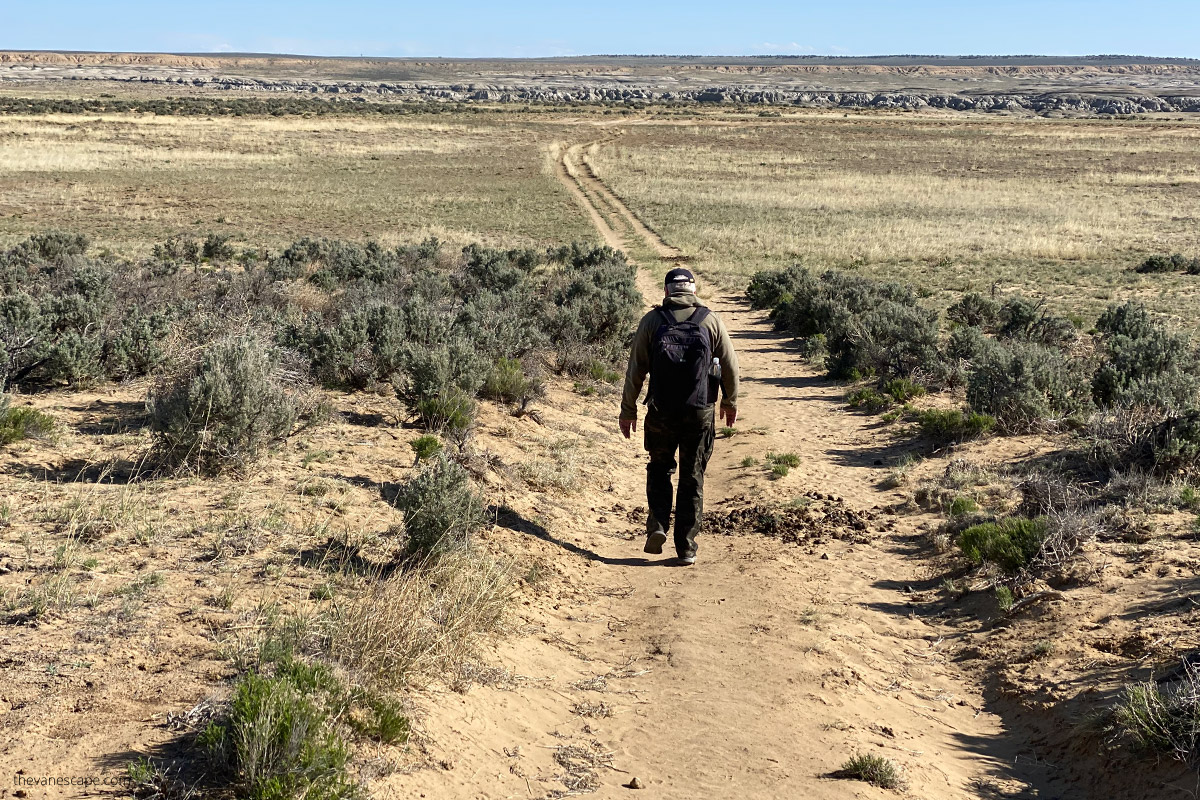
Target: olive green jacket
(682,306)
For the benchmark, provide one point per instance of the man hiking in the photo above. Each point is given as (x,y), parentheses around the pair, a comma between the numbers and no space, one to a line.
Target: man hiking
(686,350)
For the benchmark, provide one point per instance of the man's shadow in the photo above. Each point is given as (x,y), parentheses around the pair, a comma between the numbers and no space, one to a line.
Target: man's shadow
(508,518)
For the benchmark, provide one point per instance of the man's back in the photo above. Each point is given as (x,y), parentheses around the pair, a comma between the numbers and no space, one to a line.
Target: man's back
(680,421)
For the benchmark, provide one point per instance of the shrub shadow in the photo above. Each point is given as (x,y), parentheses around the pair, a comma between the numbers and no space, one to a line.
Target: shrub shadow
(79,470)
(111,418)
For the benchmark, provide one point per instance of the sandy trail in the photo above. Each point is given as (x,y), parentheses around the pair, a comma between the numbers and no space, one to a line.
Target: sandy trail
(773,663)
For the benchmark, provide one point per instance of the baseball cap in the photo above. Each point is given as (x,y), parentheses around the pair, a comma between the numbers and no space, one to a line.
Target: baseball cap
(680,275)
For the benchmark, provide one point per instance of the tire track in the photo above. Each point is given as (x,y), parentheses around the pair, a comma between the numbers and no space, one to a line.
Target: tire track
(602,203)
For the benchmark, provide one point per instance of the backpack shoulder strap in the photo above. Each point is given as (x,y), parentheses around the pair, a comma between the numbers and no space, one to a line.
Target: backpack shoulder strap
(699,315)
(667,316)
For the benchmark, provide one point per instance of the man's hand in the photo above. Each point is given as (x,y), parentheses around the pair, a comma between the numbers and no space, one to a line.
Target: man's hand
(729,415)
(628,426)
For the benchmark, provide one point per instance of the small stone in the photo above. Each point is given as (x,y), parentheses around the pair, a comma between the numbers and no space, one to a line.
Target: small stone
(635,784)
(824,556)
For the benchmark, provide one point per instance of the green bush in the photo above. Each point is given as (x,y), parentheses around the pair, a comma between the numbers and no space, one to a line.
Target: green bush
(1162,718)
(953,424)
(868,327)
(225,411)
(784,459)
(441,510)
(1177,262)
(1024,320)
(22,422)
(216,247)
(962,506)
(966,344)
(975,311)
(1011,544)
(452,412)
(425,447)
(381,719)
(508,383)
(874,769)
(278,742)
(1025,385)
(868,400)
(1175,445)
(504,325)
(903,390)
(178,248)
(1141,363)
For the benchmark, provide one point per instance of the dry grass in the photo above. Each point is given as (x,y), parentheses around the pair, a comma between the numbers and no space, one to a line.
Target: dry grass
(1054,207)
(424,623)
(129,180)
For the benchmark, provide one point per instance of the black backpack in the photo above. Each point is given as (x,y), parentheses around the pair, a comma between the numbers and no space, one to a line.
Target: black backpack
(680,363)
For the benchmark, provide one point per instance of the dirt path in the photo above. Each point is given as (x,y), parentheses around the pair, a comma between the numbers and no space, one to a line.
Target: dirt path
(774,663)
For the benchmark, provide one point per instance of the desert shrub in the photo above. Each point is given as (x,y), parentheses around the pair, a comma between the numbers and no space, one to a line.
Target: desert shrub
(1011,543)
(329,263)
(953,424)
(1139,441)
(874,769)
(508,383)
(224,411)
(786,459)
(18,423)
(1141,362)
(890,340)
(55,247)
(903,390)
(869,327)
(962,506)
(440,382)
(136,348)
(974,310)
(966,344)
(381,719)
(1025,320)
(278,742)
(769,287)
(451,412)
(178,248)
(485,269)
(1176,262)
(1163,717)
(22,327)
(422,623)
(364,347)
(425,447)
(813,305)
(216,247)
(868,399)
(441,510)
(595,301)
(504,325)
(1175,445)
(1025,384)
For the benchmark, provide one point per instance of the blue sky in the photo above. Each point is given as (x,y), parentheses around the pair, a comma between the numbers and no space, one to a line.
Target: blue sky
(478,28)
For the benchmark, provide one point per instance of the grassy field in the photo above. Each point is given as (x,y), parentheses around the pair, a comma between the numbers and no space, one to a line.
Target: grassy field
(1048,207)
(130,180)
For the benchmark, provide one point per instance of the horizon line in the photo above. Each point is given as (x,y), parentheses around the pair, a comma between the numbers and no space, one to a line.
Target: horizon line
(791,56)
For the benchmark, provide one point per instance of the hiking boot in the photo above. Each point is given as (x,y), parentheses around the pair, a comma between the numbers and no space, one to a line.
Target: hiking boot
(687,561)
(655,542)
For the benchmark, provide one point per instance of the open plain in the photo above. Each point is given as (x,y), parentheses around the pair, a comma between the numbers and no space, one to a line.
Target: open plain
(834,614)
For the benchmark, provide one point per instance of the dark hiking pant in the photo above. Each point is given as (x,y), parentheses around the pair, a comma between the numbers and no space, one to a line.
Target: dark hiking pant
(690,433)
